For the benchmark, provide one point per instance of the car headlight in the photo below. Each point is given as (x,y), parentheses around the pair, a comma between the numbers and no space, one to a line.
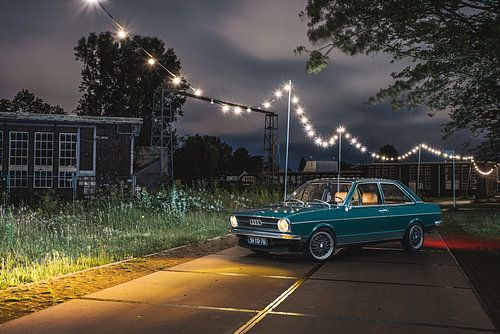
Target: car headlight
(233,221)
(284,225)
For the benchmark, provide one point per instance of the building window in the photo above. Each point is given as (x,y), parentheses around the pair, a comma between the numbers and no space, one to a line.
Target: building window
(66,179)
(43,160)
(18,159)
(67,149)
(18,178)
(18,149)
(427,177)
(67,159)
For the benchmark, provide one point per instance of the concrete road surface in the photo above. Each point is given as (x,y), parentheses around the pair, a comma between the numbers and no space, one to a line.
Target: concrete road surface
(379,289)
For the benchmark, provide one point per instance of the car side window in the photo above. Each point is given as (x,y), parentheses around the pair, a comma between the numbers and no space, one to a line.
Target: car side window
(394,195)
(366,194)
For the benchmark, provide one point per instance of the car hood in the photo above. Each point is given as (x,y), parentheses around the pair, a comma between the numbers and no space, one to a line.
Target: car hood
(278,211)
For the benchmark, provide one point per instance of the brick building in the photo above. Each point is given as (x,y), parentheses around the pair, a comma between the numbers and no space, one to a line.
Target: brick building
(74,155)
(436,178)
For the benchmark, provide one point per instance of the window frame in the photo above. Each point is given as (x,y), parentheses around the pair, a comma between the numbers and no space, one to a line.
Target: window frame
(43,174)
(16,180)
(355,188)
(412,201)
(63,181)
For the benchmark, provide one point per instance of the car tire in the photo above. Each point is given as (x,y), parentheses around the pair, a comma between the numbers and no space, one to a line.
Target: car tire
(320,246)
(414,238)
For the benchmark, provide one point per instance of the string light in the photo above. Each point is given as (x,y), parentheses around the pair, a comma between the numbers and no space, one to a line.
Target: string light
(176,81)
(481,171)
(237,110)
(122,34)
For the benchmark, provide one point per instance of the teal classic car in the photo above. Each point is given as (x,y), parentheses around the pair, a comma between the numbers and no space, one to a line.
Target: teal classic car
(326,214)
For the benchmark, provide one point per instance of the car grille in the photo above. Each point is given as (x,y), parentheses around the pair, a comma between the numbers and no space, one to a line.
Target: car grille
(268,224)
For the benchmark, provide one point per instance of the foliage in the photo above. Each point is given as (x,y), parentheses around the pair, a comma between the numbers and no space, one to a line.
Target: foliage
(302,164)
(26,101)
(58,237)
(117,81)
(479,223)
(207,157)
(388,151)
(452,48)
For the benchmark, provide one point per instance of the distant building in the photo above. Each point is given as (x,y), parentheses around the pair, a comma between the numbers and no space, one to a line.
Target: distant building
(313,166)
(73,155)
(435,178)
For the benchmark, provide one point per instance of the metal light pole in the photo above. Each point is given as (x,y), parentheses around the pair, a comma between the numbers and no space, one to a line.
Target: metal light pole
(454,183)
(418,167)
(340,152)
(287,136)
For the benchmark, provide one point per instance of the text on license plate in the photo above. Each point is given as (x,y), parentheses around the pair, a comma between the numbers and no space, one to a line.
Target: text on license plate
(257,241)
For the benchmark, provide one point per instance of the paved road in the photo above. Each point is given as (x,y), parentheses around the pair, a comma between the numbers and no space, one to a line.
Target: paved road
(378,289)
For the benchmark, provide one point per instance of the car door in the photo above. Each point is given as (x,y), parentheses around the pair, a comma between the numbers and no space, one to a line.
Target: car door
(400,209)
(365,215)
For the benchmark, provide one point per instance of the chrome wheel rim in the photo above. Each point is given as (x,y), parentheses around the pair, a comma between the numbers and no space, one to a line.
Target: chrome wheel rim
(321,245)
(416,236)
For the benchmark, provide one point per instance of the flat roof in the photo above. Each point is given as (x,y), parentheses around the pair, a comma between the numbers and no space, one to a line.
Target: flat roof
(21,117)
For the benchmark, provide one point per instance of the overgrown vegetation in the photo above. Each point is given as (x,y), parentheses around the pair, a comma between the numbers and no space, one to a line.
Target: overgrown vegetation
(54,238)
(479,222)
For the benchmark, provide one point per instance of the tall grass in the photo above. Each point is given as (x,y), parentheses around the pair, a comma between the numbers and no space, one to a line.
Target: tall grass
(54,238)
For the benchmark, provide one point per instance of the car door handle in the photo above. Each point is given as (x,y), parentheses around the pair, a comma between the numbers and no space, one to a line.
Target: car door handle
(383,210)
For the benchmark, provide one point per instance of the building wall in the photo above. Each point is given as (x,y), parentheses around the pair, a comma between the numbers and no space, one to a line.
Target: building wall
(112,157)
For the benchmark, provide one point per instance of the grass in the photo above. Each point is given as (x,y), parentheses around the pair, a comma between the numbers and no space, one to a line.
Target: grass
(479,222)
(56,238)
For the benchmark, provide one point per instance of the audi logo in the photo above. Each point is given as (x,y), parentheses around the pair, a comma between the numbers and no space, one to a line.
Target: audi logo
(255,222)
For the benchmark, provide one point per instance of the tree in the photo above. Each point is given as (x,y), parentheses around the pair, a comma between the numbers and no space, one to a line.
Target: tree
(302,164)
(242,161)
(201,157)
(388,151)
(26,101)
(452,47)
(117,81)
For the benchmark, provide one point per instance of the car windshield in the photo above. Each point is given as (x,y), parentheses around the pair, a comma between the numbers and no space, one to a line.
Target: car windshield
(330,192)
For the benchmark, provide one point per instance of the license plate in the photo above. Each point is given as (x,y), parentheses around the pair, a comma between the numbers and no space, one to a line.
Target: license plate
(257,241)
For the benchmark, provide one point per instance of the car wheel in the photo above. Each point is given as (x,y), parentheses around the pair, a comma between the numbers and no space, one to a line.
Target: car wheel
(321,245)
(414,238)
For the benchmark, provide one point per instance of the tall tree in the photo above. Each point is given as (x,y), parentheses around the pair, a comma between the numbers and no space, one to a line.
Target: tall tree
(201,157)
(452,46)
(26,101)
(243,161)
(117,81)
(388,151)
(302,164)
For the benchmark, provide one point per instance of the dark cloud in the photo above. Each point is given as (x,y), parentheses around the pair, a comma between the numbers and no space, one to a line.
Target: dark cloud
(236,50)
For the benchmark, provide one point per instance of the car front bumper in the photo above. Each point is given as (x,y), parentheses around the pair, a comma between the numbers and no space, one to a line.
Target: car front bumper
(264,234)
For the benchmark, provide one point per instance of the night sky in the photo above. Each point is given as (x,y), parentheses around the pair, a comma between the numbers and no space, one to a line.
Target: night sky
(235,50)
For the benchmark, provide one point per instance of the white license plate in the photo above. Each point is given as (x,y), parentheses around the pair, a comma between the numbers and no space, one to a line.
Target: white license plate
(257,241)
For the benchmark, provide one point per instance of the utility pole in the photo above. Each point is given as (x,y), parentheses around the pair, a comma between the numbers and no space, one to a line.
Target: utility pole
(418,167)
(287,136)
